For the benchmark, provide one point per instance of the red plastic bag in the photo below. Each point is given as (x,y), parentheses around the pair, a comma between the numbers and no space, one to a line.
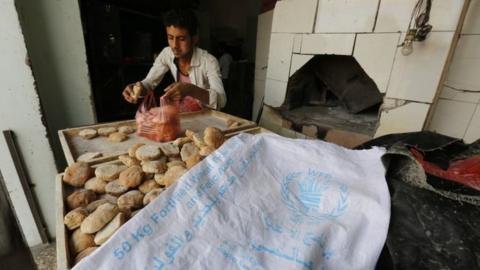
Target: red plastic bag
(159,124)
(465,171)
(190,104)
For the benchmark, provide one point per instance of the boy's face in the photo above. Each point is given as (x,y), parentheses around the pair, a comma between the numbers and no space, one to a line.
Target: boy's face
(180,41)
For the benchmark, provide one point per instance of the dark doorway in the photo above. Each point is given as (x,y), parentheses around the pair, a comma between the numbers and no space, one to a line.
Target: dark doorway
(122,38)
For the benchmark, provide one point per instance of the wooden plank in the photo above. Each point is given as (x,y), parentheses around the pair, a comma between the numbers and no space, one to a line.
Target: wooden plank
(448,61)
(25,182)
(73,145)
(63,251)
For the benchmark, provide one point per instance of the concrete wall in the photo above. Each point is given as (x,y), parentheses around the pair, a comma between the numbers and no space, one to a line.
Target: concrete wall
(457,112)
(20,111)
(54,38)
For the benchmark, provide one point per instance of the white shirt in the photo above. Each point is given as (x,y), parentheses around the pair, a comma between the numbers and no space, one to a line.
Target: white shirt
(204,72)
(225,62)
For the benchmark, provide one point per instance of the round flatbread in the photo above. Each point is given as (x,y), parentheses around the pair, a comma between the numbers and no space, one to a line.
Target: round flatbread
(114,188)
(117,137)
(106,131)
(89,156)
(88,133)
(126,129)
(77,174)
(148,152)
(128,160)
(150,196)
(154,166)
(133,149)
(131,177)
(107,172)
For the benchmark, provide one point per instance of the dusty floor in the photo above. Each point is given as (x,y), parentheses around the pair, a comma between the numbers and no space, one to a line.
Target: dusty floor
(45,256)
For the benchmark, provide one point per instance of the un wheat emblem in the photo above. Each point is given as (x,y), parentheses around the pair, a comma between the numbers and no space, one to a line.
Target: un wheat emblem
(303,194)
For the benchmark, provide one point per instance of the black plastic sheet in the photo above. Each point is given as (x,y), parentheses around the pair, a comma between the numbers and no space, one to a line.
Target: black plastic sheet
(434,222)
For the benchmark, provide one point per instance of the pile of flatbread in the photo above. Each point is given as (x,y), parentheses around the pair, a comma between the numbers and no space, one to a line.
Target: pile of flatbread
(105,197)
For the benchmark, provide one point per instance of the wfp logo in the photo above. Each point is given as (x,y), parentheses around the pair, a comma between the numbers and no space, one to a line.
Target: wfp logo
(313,197)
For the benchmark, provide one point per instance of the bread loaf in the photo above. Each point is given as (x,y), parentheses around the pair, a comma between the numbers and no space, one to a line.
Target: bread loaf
(148,185)
(129,161)
(131,177)
(115,188)
(77,174)
(117,137)
(80,198)
(107,172)
(106,131)
(150,196)
(104,234)
(126,129)
(88,133)
(188,150)
(99,218)
(84,254)
(74,218)
(213,137)
(131,200)
(147,152)
(80,241)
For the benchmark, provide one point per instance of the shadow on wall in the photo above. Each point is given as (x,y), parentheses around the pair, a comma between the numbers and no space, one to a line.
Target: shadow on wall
(54,40)
(14,252)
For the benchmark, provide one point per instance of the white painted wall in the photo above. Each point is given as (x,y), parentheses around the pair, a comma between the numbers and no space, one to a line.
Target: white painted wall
(20,111)
(457,112)
(55,43)
(264,29)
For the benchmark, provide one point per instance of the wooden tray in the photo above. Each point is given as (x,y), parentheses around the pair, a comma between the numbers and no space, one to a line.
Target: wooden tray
(63,250)
(64,260)
(74,146)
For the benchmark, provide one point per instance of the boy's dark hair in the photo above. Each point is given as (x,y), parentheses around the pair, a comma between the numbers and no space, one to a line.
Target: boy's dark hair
(181,18)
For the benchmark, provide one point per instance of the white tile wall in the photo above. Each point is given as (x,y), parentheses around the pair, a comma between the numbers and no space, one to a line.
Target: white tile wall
(298,60)
(328,44)
(445,14)
(294,16)
(472,21)
(264,28)
(280,55)
(416,76)
(375,53)
(394,15)
(452,94)
(407,118)
(464,71)
(261,54)
(264,24)
(473,130)
(275,92)
(261,74)
(259,92)
(451,117)
(346,16)
(297,43)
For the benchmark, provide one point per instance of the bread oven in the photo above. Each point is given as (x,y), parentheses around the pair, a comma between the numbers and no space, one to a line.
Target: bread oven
(332,92)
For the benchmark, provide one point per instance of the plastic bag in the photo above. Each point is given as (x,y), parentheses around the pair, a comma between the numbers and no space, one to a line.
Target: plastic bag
(159,124)
(190,104)
(465,172)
